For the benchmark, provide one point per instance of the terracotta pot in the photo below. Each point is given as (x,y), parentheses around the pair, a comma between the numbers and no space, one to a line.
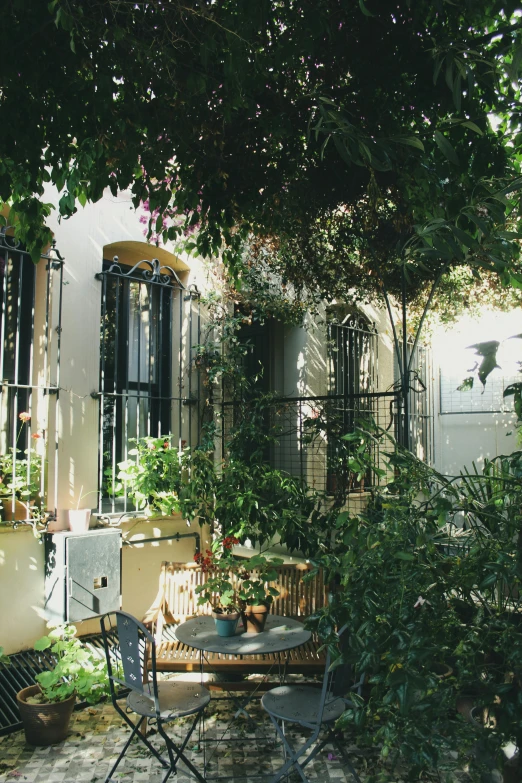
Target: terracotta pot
(254,618)
(20,512)
(44,724)
(226,624)
(79,520)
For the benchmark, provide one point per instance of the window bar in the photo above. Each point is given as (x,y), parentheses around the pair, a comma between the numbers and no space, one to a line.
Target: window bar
(125,385)
(31,380)
(189,368)
(198,370)
(170,349)
(101,409)
(16,409)
(180,369)
(121,297)
(140,322)
(159,364)
(54,264)
(150,360)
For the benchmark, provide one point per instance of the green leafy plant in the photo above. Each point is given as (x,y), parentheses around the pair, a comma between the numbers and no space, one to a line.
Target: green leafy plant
(77,670)
(233,583)
(254,588)
(151,476)
(221,567)
(430,573)
(20,477)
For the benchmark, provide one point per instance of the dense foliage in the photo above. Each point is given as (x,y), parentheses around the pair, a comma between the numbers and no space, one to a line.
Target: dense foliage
(349,137)
(429,575)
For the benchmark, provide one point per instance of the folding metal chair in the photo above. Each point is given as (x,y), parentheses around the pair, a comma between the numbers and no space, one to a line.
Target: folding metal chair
(157,702)
(312,709)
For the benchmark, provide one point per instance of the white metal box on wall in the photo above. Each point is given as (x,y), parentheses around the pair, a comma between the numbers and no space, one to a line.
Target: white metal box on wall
(82,574)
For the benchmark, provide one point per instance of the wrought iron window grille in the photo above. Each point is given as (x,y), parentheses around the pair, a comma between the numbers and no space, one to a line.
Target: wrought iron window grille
(149,385)
(31,307)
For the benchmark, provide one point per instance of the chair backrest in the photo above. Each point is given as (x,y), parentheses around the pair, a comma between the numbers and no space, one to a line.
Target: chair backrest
(338,682)
(297,597)
(125,648)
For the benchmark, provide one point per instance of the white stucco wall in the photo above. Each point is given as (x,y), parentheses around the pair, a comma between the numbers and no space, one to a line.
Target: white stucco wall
(81,240)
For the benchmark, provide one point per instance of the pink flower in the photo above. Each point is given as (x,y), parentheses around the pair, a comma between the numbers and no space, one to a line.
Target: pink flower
(35,436)
(24,416)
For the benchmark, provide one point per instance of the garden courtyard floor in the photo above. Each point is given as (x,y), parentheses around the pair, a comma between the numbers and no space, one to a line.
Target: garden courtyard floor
(248,753)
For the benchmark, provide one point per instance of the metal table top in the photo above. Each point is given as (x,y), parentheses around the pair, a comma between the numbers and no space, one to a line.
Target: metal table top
(281,633)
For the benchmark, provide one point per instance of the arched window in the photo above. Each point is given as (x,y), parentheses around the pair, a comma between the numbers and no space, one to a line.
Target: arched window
(149,323)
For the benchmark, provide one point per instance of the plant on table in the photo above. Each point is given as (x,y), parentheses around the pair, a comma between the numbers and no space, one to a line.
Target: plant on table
(221,569)
(234,585)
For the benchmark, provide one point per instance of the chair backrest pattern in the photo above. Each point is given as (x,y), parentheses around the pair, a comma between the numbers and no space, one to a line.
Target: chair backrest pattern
(131,655)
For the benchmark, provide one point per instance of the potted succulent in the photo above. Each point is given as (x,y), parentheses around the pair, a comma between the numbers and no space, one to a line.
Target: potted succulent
(255,592)
(46,708)
(20,479)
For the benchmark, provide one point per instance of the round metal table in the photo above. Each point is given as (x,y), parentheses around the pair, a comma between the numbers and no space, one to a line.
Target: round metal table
(280,634)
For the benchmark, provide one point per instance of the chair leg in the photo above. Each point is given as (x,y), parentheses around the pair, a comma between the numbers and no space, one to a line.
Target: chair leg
(335,742)
(172,749)
(135,732)
(292,760)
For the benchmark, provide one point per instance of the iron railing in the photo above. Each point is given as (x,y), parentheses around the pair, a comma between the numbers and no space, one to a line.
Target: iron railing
(421,423)
(30,329)
(305,436)
(149,384)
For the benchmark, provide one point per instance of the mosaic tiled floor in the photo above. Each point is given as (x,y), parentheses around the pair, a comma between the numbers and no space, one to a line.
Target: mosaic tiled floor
(248,753)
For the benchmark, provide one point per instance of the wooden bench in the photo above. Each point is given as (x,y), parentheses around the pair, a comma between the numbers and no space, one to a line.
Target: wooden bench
(176,602)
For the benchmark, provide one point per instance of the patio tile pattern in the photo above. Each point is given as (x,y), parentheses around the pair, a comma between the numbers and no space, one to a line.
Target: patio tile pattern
(248,752)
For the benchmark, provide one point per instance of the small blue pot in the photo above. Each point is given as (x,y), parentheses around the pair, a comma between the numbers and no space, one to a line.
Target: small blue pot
(226,624)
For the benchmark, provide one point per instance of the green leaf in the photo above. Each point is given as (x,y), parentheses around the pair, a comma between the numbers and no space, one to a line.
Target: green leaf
(410,141)
(467,384)
(42,644)
(404,556)
(446,148)
(473,127)
(363,8)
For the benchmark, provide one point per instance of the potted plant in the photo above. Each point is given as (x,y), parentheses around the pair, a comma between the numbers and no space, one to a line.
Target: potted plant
(235,587)
(20,479)
(80,518)
(220,588)
(255,593)
(46,708)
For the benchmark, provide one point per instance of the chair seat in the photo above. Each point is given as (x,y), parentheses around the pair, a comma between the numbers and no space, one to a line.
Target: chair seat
(176,699)
(300,704)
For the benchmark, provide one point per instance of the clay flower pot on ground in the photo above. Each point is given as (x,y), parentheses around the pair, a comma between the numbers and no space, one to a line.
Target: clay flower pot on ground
(46,708)
(47,723)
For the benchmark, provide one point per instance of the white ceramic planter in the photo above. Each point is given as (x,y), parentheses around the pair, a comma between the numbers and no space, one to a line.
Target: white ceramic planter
(79,520)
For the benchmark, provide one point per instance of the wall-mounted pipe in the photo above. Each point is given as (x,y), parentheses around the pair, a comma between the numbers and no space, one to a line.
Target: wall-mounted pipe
(173,537)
